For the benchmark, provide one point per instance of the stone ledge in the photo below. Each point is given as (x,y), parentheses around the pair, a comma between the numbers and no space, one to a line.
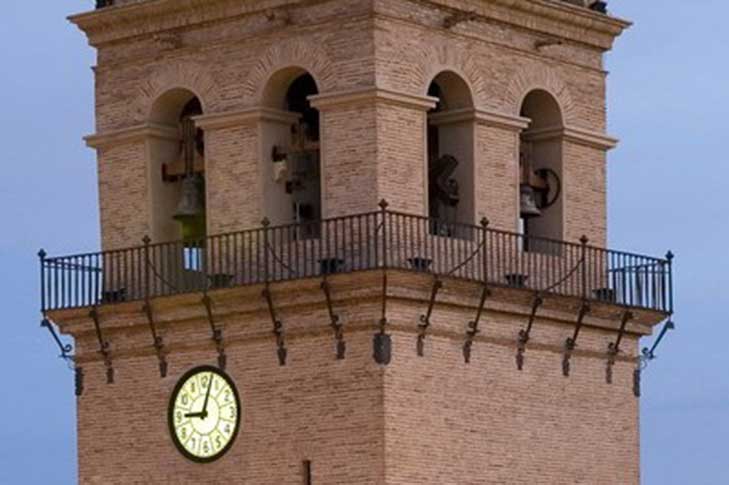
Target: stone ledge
(370,95)
(580,136)
(132,134)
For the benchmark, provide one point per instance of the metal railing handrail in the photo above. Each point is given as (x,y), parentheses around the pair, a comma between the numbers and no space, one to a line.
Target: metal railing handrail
(370,240)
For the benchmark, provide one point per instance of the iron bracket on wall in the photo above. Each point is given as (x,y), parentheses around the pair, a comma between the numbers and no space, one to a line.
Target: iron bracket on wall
(336,324)
(473,330)
(425,319)
(78,378)
(647,356)
(382,341)
(217,333)
(158,343)
(104,346)
(278,328)
(571,343)
(614,347)
(65,349)
(525,334)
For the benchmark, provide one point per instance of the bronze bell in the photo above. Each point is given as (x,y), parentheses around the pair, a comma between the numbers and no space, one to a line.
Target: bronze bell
(528,202)
(190,211)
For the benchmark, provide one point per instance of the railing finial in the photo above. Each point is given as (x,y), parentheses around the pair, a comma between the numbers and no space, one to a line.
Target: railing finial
(42,254)
(584,240)
(384,204)
(670,256)
(485,222)
(146,240)
(265,222)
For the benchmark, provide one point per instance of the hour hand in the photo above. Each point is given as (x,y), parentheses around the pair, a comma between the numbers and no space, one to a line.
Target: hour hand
(196,415)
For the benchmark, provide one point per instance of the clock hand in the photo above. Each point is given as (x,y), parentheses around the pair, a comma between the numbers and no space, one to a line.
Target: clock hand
(194,415)
(207,397)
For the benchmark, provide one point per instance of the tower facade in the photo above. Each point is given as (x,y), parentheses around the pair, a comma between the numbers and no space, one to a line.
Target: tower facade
(384,221)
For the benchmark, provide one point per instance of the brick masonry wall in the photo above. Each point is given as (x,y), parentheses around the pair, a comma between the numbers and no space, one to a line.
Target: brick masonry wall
(425,420)
(429,419)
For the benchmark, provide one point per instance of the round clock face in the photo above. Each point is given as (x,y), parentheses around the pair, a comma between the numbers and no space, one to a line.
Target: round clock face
(204,414)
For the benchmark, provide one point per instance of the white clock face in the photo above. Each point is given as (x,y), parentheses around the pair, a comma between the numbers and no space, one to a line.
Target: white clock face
(204,414)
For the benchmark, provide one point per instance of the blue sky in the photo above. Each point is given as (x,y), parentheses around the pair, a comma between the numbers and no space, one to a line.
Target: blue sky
(667,184)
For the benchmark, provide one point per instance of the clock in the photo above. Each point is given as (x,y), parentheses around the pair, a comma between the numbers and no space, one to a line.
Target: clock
(204,414)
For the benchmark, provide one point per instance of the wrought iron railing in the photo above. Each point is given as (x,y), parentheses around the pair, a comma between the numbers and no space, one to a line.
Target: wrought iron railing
(376,240)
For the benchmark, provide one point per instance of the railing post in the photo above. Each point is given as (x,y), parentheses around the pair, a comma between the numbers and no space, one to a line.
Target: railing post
(383,211)
(669,258)
(147,277)
(265,223)
(583,241)
(485,230)
(42,258)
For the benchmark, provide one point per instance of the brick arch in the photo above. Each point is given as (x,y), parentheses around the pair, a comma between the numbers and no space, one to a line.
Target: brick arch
(445,58)
(190,76)
(293,53)
(529,79)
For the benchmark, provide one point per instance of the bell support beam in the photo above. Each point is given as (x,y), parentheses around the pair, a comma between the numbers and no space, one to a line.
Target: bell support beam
(104,346)
(614,347)
(336,324)
(278,328)
(473,325)
(217,333)
(425,319)
(571,343)
(525,334)
(157,341)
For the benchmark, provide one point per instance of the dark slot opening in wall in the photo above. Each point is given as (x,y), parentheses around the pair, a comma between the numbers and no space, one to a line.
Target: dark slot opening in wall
(307,472)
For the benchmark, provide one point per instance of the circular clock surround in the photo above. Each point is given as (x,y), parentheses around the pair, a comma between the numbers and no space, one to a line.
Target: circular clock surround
(204,414)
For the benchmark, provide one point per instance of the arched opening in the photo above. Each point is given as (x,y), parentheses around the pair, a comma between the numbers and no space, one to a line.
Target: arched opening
(540,163)
(450,151)
(177,169)
(292,153)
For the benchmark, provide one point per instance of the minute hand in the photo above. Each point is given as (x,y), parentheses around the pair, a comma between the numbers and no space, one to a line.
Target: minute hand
(207,397)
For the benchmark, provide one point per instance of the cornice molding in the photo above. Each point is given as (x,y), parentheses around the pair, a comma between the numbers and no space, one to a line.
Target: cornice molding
(132,134)
(567,20)
(369,95)
(152,16)
(552,17)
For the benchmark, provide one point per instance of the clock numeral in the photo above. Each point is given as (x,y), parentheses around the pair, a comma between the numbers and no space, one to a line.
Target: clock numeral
(232,413)
(227,429)
(226,398)
(218,442)
(205,382)
(185,399)
(206,447)
(183,433)
(178,417)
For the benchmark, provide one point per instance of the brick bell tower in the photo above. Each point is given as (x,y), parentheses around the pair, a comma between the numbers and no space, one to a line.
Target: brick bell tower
(354,242)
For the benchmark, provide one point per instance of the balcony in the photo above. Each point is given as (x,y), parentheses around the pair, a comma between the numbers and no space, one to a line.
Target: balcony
(377,241)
